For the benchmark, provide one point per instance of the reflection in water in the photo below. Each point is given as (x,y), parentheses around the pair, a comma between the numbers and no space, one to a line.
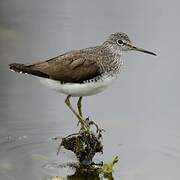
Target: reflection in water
(36,155)
(24,152)
(82,174)
(90,175)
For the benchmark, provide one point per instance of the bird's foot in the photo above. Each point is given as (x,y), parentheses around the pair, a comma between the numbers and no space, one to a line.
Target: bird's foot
(98,131)
(87,127)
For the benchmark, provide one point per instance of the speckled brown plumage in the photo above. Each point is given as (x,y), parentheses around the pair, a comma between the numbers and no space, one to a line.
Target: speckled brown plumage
(82,65)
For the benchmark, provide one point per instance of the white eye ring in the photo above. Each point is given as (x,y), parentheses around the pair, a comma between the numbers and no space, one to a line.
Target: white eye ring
(120,42)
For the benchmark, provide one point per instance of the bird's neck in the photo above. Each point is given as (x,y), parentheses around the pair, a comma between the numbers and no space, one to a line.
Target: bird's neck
(113,49)
(114,62)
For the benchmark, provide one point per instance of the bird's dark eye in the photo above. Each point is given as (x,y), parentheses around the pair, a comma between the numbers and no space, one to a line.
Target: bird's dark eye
(120,42)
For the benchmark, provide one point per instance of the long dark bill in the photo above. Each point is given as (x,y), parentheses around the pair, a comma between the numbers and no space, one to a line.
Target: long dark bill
(143,50)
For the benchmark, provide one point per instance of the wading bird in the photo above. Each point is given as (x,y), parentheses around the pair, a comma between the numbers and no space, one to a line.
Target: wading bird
(82,72)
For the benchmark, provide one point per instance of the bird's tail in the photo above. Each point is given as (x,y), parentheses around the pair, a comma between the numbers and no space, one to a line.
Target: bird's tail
(22,68)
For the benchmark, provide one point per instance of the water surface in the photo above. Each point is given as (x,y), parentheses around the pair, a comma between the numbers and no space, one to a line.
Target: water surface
(140,112)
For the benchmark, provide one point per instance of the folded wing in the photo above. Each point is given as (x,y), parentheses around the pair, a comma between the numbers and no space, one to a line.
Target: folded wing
(72,67)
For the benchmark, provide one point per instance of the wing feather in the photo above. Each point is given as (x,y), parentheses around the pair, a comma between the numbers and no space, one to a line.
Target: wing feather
(74,67)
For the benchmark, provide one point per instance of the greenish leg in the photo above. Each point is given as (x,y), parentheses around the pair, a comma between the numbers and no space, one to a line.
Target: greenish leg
(81,120)
(80,106)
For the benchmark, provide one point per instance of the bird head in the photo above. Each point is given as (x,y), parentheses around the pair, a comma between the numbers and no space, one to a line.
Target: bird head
(121,42)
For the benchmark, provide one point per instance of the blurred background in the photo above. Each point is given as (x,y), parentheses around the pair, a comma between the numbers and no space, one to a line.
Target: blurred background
(140,112)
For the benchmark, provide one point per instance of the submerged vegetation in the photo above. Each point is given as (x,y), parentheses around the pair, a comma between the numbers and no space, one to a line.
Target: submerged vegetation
(85,144)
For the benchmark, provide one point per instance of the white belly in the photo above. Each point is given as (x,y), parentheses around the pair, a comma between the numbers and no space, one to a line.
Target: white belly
(77,89)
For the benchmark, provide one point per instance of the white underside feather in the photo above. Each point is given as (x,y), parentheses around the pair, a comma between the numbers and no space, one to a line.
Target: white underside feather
(79,89)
